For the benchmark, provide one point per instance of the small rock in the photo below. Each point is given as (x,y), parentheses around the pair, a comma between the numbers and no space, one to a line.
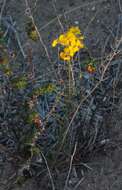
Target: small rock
(76,22)
(93,8)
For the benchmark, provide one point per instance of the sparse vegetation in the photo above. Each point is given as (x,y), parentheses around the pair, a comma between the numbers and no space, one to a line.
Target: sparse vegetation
(53,119)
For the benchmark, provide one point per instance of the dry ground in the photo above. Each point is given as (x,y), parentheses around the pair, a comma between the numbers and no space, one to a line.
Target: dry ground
(98,20)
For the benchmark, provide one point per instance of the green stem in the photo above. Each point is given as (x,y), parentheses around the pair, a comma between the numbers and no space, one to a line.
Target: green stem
(71,79)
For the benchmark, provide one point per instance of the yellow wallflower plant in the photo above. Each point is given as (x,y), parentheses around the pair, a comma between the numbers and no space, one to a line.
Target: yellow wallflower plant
(72,40)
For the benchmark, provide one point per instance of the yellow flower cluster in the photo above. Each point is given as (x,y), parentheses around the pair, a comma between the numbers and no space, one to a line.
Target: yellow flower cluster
(73,42)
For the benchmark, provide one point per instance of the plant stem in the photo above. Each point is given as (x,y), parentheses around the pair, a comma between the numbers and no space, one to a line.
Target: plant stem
(71,79)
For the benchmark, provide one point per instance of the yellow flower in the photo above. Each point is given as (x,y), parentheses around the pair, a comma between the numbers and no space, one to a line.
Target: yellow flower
(64,56)
(54,43)
(75,30)
(72,40)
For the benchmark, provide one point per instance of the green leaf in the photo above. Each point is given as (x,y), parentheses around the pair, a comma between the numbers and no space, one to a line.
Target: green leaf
(20,82)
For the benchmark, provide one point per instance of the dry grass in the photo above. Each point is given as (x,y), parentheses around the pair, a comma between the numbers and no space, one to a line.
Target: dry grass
(54,124)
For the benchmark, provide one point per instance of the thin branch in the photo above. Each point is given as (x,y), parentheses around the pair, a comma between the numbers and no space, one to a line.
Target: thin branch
(70,11)
(77,185)
(70,167)
(59,21)
(87,96)
(2,9)
(51,178)
(120,6)
(39,35)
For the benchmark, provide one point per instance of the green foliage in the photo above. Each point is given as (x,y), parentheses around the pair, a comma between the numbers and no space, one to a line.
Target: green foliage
(7,71)
(20,82)
(46,89)
(21,180)
(88,61)
(2,38)
(57,109)
(31,31)
(32,115)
